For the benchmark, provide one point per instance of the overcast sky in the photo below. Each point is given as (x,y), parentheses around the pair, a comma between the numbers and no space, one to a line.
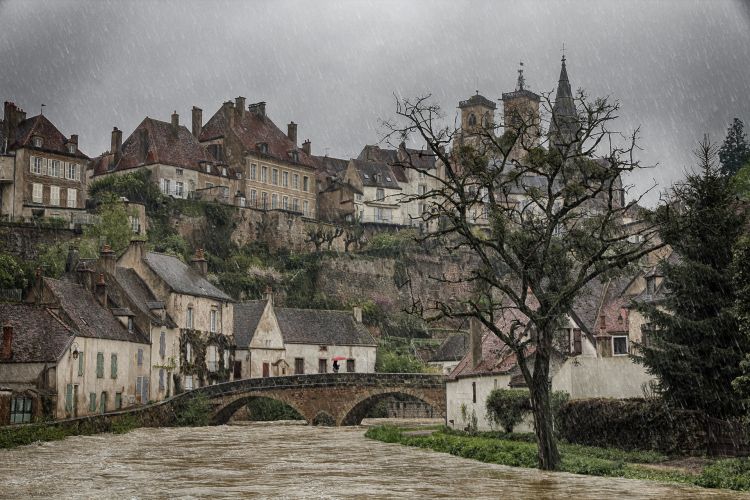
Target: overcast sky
(680,68)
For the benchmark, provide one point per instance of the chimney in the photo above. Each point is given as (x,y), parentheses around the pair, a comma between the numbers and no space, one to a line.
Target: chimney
(259,108)
(137,251)
(74,139)
(357,314)
(475,342)
(306,147)
(38,284)
(268,295)
(228,108)
(199,262)
(7,350)
(107,260)
(197,121)
(71,262)
(175,121)
(239,105)
(291,132)
(101,290)
(116,143)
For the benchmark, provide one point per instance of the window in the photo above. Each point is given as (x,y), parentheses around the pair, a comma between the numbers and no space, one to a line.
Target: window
(305,183)
(253,171)
(295,156)
(135,224)
(275,177)
(81,363)
(188,382)
(36,193)
(359,197)
(213,320)
(162,344)
(209,185)
(274,201)
(243,202)
(113,366)
(224,171)
(472,121)
(212,358)
(382,214)
(20,410)
(179,189)
(619,346)
(140,357)
(237,375)
(577,348)
(299,366)
(264,199)
(99,365)
(130,324)
(189,320)
(421,189)
(306,207)
(54,195)
(208,168)
(295,205)
(141,389)
(295,181)
(188,353)
(36,165)
(263,146)
(285,203)
(264,174)
(92,401)
(54,169)
(285,179)
(103,402)
(322,366)
(37,142)
(350,366)
(72,198)
(473,392)
(178,172)
(161,379)
(165,186)
(380,194)
(72,171)
(118,401)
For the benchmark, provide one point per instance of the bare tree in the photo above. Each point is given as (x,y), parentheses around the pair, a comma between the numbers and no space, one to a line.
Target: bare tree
(323,233)
(542,217)
(354,234)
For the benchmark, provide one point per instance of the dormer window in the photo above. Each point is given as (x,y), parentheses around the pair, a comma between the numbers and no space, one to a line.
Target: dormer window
(263,147)
(366,176)
(37,141)
(208,168)
(71,148)
(224,171)
(294,155)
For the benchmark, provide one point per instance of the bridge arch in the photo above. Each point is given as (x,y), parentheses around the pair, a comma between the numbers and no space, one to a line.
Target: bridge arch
(356,411)
(225,410)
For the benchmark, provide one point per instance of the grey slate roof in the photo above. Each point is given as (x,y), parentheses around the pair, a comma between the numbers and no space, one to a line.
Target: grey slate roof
(38,335)
(454,348)
(246,318)
(86,316)
(139,295)
(376,174)
(181,278)
(322,327)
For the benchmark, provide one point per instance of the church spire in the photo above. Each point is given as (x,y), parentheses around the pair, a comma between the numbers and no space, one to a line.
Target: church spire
(564,124)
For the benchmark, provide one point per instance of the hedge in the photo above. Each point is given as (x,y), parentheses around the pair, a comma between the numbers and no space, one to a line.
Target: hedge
(633,424)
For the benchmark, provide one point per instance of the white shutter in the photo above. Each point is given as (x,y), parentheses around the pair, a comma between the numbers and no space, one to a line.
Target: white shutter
(31,164)
(44,166)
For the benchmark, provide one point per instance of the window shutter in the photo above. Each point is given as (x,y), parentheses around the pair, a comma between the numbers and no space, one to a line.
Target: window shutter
(144,387)
(162,344)
(138,384)
(140,357)
(44,166)
(92,401)
(99,365)
(113,364)
(80,364)
(161,379)
(69,398)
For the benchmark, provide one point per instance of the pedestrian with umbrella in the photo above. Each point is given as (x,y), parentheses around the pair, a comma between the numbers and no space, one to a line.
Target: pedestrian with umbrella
(336,363)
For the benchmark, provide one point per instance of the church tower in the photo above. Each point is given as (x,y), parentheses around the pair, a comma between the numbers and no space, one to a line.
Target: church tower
(477,118)
(564,126)
(521,111)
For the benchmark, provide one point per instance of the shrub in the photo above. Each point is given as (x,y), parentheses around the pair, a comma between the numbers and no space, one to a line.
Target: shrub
(633,424)
(193,412)
(266,409)
(732,473)
(507,407)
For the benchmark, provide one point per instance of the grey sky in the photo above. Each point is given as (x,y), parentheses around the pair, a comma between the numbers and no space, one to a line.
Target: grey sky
(680,68)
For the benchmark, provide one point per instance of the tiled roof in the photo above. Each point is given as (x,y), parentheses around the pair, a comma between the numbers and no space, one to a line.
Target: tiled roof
(388,156)
(86,316)
(253,129)
(181,278)
(53,139)
(417,158)
(246,317)
(497,358)
(332,167)
(376,174)
(140,296)
(322,327)
(155,141)
(38,335)
(454,348)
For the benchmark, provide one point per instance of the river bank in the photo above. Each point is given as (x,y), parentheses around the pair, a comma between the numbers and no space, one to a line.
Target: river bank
(520,451)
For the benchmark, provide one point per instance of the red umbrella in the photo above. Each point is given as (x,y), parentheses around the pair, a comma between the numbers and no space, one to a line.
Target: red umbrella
(339,358)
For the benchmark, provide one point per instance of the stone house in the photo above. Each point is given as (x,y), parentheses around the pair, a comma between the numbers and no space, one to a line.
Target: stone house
(202,313)
(379,202)
(276,174)
(42,172)
(277,341)
(450,352)
(73,353)
(591,357)
(179,164)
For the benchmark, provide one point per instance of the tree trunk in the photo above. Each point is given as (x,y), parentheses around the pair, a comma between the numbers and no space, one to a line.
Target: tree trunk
(549,456)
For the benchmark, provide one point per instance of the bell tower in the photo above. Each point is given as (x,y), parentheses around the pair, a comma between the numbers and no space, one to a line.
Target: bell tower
(521,114)
(477,118)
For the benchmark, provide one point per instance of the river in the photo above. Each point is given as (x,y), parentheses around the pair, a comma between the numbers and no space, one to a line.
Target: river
(273,460)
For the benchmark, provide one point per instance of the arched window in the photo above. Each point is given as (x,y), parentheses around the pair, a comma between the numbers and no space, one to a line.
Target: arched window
(486,120)
(472,120)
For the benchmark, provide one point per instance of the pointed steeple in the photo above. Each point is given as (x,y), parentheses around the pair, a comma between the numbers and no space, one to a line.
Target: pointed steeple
(563,84)
(564,125)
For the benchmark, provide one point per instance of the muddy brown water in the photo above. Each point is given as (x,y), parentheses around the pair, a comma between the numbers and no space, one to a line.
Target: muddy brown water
(273,460)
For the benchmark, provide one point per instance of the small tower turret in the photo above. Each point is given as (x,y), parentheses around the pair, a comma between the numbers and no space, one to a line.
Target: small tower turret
(521,113)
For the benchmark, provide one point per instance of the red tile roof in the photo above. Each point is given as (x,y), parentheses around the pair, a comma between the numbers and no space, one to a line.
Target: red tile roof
(53,140)
(252,129)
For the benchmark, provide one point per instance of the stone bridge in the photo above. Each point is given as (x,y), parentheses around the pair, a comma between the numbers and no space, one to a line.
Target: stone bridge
(323,399)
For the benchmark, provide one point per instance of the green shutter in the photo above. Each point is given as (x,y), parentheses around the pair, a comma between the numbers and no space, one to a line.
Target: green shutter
(69,398)
(80,364)
(113,366)
(92,401)
(118,400)
(99,365)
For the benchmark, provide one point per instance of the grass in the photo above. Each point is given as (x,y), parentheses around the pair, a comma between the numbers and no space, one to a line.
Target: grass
(519,451)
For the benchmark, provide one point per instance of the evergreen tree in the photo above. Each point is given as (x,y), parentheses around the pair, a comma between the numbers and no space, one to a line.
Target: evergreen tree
(741,276)
(696,346)
(734,152)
